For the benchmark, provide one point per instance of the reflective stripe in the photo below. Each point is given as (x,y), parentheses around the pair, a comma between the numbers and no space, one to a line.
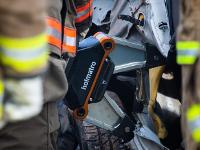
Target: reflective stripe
(84,12)
(54,23)
(1,99)
(193,119)
(86,6)
(1,89)
(193,112)
(23,44)
(196,135)
(54,37)
(1,111)
(194,127)
(186,60)
(54,31)
(26,66)
(183,45)
(69,40)
(85,15)
(195,124)
(188,52)
(24,55)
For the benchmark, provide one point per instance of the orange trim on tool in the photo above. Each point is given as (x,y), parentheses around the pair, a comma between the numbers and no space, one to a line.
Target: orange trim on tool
(104,39)
(85,7)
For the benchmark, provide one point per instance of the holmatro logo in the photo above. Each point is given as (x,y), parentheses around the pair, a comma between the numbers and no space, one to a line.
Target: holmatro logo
(88,76)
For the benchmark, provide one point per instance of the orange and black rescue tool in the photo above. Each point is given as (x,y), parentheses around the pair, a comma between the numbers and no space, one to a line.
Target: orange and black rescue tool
(89,73)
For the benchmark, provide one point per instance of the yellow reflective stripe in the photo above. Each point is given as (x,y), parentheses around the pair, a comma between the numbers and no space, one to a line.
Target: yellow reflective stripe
(187,45)
(1,88)
(196,135)
(1,111)
(181,59)
(24,54)
(1,98)
(23,44)
(24,66)
(193,112)
(188,51)
(193,119)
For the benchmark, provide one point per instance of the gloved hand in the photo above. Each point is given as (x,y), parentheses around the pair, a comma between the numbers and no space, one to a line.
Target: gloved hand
(23,99)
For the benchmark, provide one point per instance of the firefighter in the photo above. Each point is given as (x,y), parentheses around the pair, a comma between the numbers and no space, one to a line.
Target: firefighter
(40,132)
(24,57)
(188,47)
(67,20)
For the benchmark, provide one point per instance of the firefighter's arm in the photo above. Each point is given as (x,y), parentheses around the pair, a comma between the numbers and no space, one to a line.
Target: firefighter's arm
(23,58)
(69,44)
(188,48)
(83,19)
(188,34)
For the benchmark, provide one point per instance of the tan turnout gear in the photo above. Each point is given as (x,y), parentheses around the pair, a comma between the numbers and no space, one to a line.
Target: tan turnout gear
(23,61)
(62,38)
(23,58)
(188,48)
(40,132)
(155,75)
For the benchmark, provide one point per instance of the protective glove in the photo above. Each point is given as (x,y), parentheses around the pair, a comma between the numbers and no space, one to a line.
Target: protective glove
(154,78)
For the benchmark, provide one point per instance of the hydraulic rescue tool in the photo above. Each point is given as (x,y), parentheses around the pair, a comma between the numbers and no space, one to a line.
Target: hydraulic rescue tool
(90,72)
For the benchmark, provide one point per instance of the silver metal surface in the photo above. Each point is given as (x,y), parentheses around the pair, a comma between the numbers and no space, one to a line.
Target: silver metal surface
(105,114)
(128,55)
(101,8)
(145,139)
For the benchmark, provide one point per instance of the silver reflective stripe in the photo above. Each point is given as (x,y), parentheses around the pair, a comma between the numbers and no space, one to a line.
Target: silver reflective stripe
(53,32)
(82,13)
(25,55)
(188,52)
(70,41)
(193,125)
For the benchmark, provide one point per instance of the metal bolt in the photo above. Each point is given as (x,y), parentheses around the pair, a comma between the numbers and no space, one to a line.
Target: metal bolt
(107,45)
(91,99)
(104,82)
